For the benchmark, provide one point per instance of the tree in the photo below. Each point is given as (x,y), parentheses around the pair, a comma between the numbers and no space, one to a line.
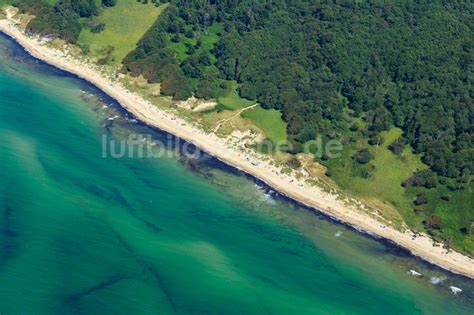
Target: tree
(206,89)
(433,222)
(421,199)
(376,139)
(397,146)
(294,163)
(84,8)
(177,86)
(98,28)
(363,156)
(379,119)
(109,3)
(423,178)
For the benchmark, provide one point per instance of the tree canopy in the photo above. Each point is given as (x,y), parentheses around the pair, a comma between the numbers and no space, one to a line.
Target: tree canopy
(62,19)
(401,64)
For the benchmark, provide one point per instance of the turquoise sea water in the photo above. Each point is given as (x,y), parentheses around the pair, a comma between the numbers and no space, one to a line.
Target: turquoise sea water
(82,234)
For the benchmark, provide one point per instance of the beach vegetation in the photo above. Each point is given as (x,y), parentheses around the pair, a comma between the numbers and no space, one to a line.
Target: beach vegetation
(230,99)
(269,121)
(433,222)
(293,162)
(4,3)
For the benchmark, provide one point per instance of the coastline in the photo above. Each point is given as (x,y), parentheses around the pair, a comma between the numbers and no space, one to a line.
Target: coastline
(311,197)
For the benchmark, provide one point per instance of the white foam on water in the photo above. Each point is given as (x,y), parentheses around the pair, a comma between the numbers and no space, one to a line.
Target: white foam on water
(267,198)
(437,280)
(454,289)
(414,273)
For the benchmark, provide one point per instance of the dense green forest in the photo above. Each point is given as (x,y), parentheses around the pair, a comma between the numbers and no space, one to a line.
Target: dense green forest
(400,64)
(346,70)
(63,18)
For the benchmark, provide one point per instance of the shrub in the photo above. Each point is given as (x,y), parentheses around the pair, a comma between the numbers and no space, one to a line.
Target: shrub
(376,140)
(364,170)
(98,28)
(433,222)
(418,210)
(294,146)
(293,163)
(363,156)
(420,199)
(445,197)
(109,3)
(354,127)
(464,231)
(206,89)
(423,178)
(397,146)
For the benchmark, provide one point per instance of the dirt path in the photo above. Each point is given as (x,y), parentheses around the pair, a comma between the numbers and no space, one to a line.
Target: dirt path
(223,121)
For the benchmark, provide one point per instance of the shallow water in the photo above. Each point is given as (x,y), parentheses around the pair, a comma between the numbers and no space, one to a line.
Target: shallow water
(82,234)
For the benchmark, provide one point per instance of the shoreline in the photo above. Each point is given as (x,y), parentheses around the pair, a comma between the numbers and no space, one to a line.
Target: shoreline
(310,197)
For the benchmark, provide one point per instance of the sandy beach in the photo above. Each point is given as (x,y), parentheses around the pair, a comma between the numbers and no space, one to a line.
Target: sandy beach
(289,186)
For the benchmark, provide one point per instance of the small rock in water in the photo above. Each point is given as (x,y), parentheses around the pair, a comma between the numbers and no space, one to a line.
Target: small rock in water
(338,233)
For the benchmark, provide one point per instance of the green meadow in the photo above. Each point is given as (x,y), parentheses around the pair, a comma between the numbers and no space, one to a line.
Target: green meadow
(5,3)
(231,99)
(207,39)
(383,188)
(180,48)
(269,121)
(454,208)
(125,24)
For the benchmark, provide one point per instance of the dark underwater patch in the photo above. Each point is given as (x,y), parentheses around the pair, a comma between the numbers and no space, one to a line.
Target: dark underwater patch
(8,236)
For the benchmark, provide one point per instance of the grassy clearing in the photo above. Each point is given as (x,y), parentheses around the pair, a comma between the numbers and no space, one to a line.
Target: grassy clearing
(383,189)
(210,120)
(455,209)
(125,24)
(269,121)
(231,100)
(208,39)
(180,48)
(4,3)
